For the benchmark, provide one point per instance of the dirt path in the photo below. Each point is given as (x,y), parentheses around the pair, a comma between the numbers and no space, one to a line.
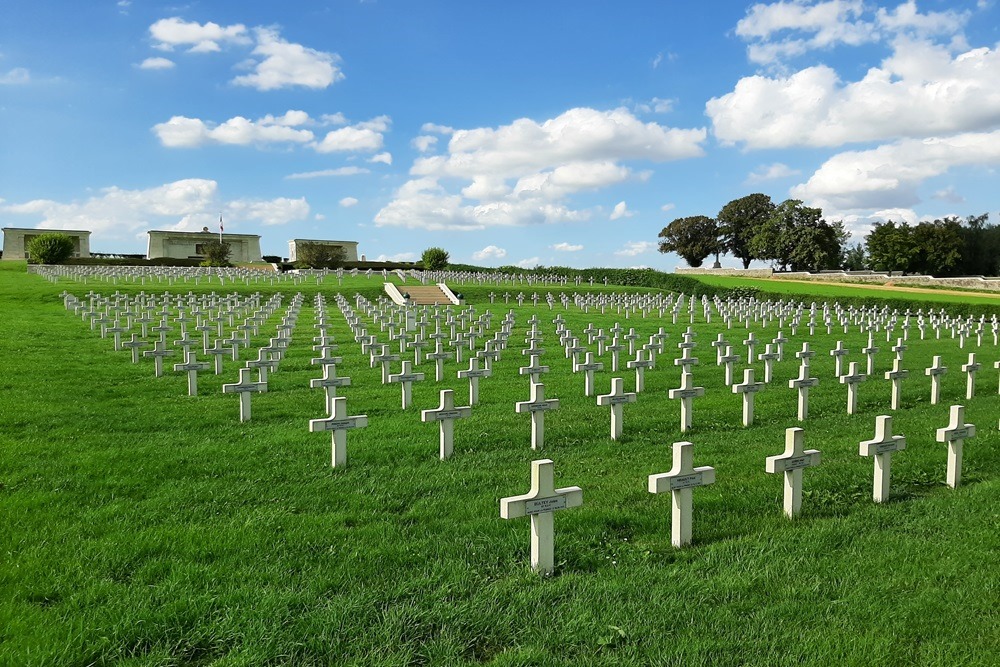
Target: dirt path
(894,288)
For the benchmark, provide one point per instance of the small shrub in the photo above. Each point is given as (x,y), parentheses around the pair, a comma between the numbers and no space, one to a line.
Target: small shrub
(50,248)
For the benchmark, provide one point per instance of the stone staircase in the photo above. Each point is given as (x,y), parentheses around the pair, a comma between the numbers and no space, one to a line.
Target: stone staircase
(425,294)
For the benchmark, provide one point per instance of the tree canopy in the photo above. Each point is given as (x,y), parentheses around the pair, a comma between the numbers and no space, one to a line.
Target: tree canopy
(216,253)
(693,238)
(319,256)
(740,220)
(434,259)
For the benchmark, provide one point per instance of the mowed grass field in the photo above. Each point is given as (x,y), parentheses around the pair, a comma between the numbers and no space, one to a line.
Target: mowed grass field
(140,526)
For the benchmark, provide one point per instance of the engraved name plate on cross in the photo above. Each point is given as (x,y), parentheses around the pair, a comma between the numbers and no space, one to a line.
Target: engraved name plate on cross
(539,503)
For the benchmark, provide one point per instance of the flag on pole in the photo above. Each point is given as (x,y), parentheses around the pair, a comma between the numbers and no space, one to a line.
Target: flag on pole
(220,228)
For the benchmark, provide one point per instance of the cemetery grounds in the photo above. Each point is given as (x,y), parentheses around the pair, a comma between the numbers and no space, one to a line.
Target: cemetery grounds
(142,526)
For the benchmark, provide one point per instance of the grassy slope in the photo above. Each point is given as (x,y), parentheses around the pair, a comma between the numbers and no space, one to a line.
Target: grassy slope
(144,527)
(829,290)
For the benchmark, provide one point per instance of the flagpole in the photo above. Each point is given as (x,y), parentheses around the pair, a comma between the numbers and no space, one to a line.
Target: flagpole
(220,228)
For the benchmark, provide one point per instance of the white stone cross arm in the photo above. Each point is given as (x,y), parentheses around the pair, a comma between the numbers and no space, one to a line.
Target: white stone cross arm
(446,414)
(539,503)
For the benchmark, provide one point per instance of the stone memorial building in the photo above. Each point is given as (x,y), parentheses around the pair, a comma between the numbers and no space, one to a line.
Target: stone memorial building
(350,248)
(188,245)
(16,239)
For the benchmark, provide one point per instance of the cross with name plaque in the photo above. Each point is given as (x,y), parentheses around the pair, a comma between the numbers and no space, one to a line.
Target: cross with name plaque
(897,375)
(616,399)
(935,372)
(852,379)
(473,373)
(340,424)
(803,383)
(406,377)
(589,366)
(970,370)
(329,383)
(539,503)
(679,481)
(792,462)
(445,414)
(191,366)
(158,352)
(686,392)
(955,433)
(537,405)
(244,387)
(640,364)
(881,449)
(749,389)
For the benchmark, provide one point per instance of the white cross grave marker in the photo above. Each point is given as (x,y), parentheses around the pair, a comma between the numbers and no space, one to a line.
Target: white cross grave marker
(791,462)
(406,377)
(685,393)
(616,399)
(897,375)
(539,503)
(749,389)
(329,383)
(588,367)
(244,388)
(473,373)
(339,423)
(803,383)
(537,406)
(682,478)
(191,365)
(955,433)
(881,449)
(446,414)
(935,372)
(970,374)
(852,379)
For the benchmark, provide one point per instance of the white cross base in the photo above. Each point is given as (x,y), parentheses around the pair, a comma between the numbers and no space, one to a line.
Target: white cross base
(539,503)
(683,477)
(244,388)
(616,399)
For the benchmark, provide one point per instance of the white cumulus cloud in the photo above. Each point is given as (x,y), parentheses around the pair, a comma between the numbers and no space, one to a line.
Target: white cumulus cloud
(889,176)
(771,172)
(348,202)
(567,247)
(529,263)
(621,211)
(283,64)
(489,252)
(189,204)
(525,172)
(633,248)
(424,142)
(183,132)
(362,137)
(157,63)
(383,158)
(170,33)
(323,173)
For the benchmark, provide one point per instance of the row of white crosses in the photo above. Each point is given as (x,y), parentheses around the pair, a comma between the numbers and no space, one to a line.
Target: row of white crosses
(543,498)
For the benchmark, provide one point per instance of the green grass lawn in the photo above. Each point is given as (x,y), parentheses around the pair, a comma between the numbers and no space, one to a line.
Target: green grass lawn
(831,290)
(141,526)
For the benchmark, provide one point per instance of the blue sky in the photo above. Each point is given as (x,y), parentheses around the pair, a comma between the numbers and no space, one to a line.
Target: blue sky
(553,133)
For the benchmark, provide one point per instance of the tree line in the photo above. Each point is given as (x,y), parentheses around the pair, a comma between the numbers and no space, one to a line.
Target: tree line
(795,237)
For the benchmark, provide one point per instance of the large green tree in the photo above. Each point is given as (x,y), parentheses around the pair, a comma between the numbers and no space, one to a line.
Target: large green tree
(693,238)
(890,246)
(216,253)
(740,220)
(796,237)
(938,248)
